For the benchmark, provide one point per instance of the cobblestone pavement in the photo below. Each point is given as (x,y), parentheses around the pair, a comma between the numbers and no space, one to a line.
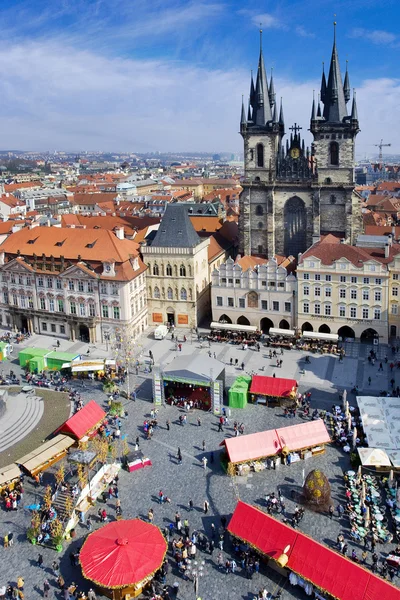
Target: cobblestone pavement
(139,490)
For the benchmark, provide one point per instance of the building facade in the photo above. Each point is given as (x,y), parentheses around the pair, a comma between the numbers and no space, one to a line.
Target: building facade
(77,284)
(292,194)
(256,292)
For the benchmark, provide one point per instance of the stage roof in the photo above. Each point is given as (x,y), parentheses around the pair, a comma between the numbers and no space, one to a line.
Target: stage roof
(272,386)
(303,435)
(199,368)
(325,568)
(380,419)
(83,421)
(252,446)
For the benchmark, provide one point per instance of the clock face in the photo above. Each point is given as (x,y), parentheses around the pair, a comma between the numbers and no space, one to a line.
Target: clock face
(295,153)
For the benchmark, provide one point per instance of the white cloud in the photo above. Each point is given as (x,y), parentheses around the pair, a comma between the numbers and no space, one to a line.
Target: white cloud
(376,36)
(58,97)
(302,32)
(267,21)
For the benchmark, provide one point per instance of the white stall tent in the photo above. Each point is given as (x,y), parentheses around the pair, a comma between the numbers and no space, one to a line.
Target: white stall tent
(381,421)
(285,332)
(374,457)
(316,335)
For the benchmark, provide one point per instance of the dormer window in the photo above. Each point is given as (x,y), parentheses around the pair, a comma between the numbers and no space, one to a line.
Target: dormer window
(109,269)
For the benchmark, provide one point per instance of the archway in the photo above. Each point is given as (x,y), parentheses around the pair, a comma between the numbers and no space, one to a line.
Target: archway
(266,324)
(307,327)
(284,324)
(295,226)
(170,316)
(243,321)
(225,319)
(84,333)
(369,335)
(346,332)
(324,329)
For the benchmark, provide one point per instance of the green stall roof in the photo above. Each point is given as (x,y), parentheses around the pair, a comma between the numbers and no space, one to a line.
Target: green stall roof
(27,354)
(238,392)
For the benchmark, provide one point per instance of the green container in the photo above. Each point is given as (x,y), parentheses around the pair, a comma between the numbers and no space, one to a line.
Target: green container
(238,393)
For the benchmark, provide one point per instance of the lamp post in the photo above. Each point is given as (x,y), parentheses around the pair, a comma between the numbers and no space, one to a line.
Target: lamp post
(198,571)
(107,339)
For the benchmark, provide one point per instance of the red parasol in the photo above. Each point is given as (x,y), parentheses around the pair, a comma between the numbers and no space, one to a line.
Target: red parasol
(122,553)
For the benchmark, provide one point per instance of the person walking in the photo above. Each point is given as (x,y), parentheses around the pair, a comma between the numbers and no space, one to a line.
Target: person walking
(179,456)
(203,445)
(242,366)
(55,565)
(199,423)
(204,461)
(331,511)
(206,506)
(190,504)
(91,595)
(150,515)
(168,424)
(46,588)
(220,426)
(40,562)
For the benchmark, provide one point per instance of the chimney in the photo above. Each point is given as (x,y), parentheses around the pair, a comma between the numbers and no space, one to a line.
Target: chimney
(120,233)
(387,250)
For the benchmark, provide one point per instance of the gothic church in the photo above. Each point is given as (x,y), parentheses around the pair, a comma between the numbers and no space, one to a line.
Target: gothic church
(292,194)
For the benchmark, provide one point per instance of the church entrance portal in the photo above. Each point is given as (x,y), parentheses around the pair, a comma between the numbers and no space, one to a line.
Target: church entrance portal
(84,333)
(295,225)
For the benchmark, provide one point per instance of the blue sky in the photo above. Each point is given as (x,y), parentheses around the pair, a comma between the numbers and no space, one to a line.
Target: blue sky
(168,75)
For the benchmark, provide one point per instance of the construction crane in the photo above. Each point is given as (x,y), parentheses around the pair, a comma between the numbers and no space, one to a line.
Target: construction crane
(380,146)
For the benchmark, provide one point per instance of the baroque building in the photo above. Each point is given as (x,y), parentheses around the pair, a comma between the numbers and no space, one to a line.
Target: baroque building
(293,194)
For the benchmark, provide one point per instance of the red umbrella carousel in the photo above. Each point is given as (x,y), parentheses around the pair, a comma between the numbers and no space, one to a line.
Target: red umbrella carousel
(122,557)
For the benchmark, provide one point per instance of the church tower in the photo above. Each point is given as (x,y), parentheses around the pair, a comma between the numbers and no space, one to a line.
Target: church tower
(292,194)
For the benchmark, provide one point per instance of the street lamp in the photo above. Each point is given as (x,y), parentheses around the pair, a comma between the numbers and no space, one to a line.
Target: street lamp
(197,572)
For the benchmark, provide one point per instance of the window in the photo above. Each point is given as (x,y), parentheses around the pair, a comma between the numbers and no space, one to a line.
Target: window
(53,328)
(170,294)
(259,211)
(60,305)
(372,268)
(90,286)
(114,289)
(260,225)
(317,277)
(71,286)
(306,290)
(5,294)
(378,296)
(260,155)
(281,284)
(366,280)
(264,304)
(82,309)
(155,270)
(365,313)
(40,281)
(183,294)
(156,292)
(328,277)
(103,288)
(365,295)
(182,271)
(328,292)
(237,281)
(353,279)
(395,291)
(317,309)
(353,312)
(342,293)
(12,278)
(377,314)
(81,287)
(343,278)
(306,275)
(219,300)
(353,294)
(311,264)
(328,310)
(116,312)
(51,305)
(23,301)
(168,271)
(59,284)
(44,326)
(15,299)
(288,306)
(42,304)
(306,308)
(394,309)
(223,280)
(334,154)
(231,302)
(30,302)
(104,311)
(62,329)
(264,283)
(395,276)
(275,306)
(28,281)
(242,303)
(72,308)
(378,281)
(342,311)
(20,280)
(49,282)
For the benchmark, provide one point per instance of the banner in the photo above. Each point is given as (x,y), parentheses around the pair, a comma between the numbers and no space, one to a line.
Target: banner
(158,391)
(216,397)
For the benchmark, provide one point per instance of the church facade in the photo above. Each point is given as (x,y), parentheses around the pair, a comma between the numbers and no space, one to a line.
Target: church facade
(293,194)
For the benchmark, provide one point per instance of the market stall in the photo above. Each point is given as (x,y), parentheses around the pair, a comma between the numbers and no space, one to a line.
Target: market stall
(264,390)
(135,460)
(9,476)
(122,557)
(375,458)
(281,338)
(5,350)
(380,422)
(234,333)
(45,455)
(249,452)
(314,341)
(239,391)
(197,380)
(303,440)
(85,422)
(37,360)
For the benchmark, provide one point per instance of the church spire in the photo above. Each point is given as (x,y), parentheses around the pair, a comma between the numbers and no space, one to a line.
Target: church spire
(262,108)
(281,117)
(313,113)
(271,90)
(252,90)
(319,113)
(354,112)
(275,117)
(346,85)
(243,119)
(323,84)
(334,101)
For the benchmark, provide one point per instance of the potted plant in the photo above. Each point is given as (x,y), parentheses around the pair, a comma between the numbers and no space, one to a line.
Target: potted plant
(31,535)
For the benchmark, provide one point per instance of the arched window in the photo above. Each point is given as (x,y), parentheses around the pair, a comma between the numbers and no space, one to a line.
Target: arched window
(190,270)
(156,292)
(183,294)
(260,225)
(182,271)
(334,153)
(150,292)
(260,155)
(259,210)
(168,271)
(170,294)
(190,294)
(155,269)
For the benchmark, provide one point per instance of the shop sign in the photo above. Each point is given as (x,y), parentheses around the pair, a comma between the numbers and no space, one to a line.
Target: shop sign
(157,386)
(183,319)
(216,397)
(158,318)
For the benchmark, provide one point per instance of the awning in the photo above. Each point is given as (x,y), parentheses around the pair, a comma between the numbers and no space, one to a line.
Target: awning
(232,327)
(252,446)
(277,331)
(46,454)
(379,417)
(87,365)
(83,421)
(315,335)
(272,386)
(394,456)
(303,435)
(374,457)
(9,474)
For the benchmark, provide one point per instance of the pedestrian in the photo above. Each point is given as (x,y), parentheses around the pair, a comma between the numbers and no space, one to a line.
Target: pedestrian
(168,423)
(46,588)
(150,515)
(204,445)
(199,423)
(91,595)
(20,583)
(331,511)
(179,456)
(220,426)
(40,562)
(364,555)
(56,567)
(242,365)
(221,542)
(340,510)
(190,504)
(89,523)
(231,361)
(204,461)
(236,362)
(212,531)
(206,506)
(220,561)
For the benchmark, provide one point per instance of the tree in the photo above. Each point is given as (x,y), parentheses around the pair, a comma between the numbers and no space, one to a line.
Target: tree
(48,498)
(60,474)
(126,351)
(101,447)
(82,476)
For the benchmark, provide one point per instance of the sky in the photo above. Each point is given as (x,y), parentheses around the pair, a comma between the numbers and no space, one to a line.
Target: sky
(169,75)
